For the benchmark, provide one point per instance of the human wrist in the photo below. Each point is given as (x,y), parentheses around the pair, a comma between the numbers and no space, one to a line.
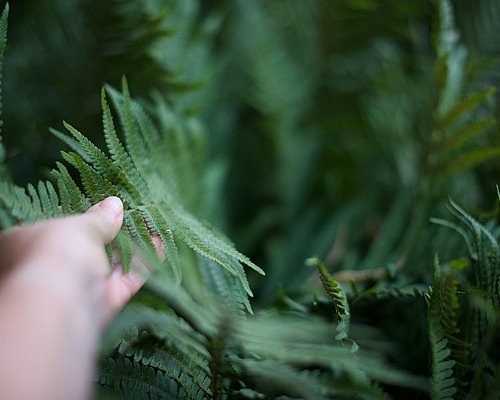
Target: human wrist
(67,327)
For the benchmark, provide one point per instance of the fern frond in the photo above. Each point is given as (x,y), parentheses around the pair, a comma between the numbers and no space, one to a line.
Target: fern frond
(469,160)
(202,244)
(469,243)
(355,386)
(31,206)
(136,153)
(35,198)
(338,296)
(71,198)
(487,256)
(463,107)
(179,367)
(158,226)
(134,380)
(107,169)
(72,143)
(166,326)
(309,342)
(225,286)
(218,348)
(454,121)
(380,291)
(125,248)
(148,129)
(442,327)
(218,241)
(49,199)
(165,216)
(118,153)
(485,264)
(184,368)
(96,186)
(270,374)
(135,143)
(442,380)
(162,340)
(464,135)
(451,57)
(19,205)
(473,224)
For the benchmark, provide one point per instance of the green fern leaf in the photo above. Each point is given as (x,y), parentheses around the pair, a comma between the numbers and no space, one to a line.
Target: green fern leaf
(464,135)
(35,199)
(19,204)
(118,153)
(96,186)
(214,240)
(464,107)
(105,167)
(71,143)
(225,286)
(124,248)
(76,201)
(158,226)
(135,144)
(338,297)
(468,160)
(134,380)
(446,348)
(487,269)
(451,58)
(195,239)
(126,160)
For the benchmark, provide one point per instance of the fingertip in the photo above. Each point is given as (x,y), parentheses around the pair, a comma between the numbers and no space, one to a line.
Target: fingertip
(111,204)
(106,218)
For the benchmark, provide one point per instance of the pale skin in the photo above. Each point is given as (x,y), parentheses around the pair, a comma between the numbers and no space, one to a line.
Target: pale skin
(57,294)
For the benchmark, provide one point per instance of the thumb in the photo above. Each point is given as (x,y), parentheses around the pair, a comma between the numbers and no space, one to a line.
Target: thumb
(104,219)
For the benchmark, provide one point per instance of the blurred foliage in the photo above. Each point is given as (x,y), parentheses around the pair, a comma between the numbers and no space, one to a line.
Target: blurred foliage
(328,128)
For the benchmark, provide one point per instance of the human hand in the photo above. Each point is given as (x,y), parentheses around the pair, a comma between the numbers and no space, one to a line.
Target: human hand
(56,294)
(67,256)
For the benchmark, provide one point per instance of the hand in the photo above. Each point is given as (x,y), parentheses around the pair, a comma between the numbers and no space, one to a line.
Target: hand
(67,254)
(57,292)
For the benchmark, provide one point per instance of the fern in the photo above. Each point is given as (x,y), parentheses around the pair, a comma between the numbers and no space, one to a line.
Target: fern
(291,340)
(483,252)
(442,368)
(227,353)
(310,384)
(186,147)
(453,126)
(119,175)
(163,342)
(463,107)
(442,316)
(225,286)
(339,299)
(136,381)
(19,206)
(482,247)
(218,349)
(451,57)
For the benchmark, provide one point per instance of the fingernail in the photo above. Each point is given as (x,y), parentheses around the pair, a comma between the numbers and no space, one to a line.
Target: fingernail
(112,204)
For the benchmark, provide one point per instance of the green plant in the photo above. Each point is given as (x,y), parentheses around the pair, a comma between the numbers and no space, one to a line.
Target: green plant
(233,128)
